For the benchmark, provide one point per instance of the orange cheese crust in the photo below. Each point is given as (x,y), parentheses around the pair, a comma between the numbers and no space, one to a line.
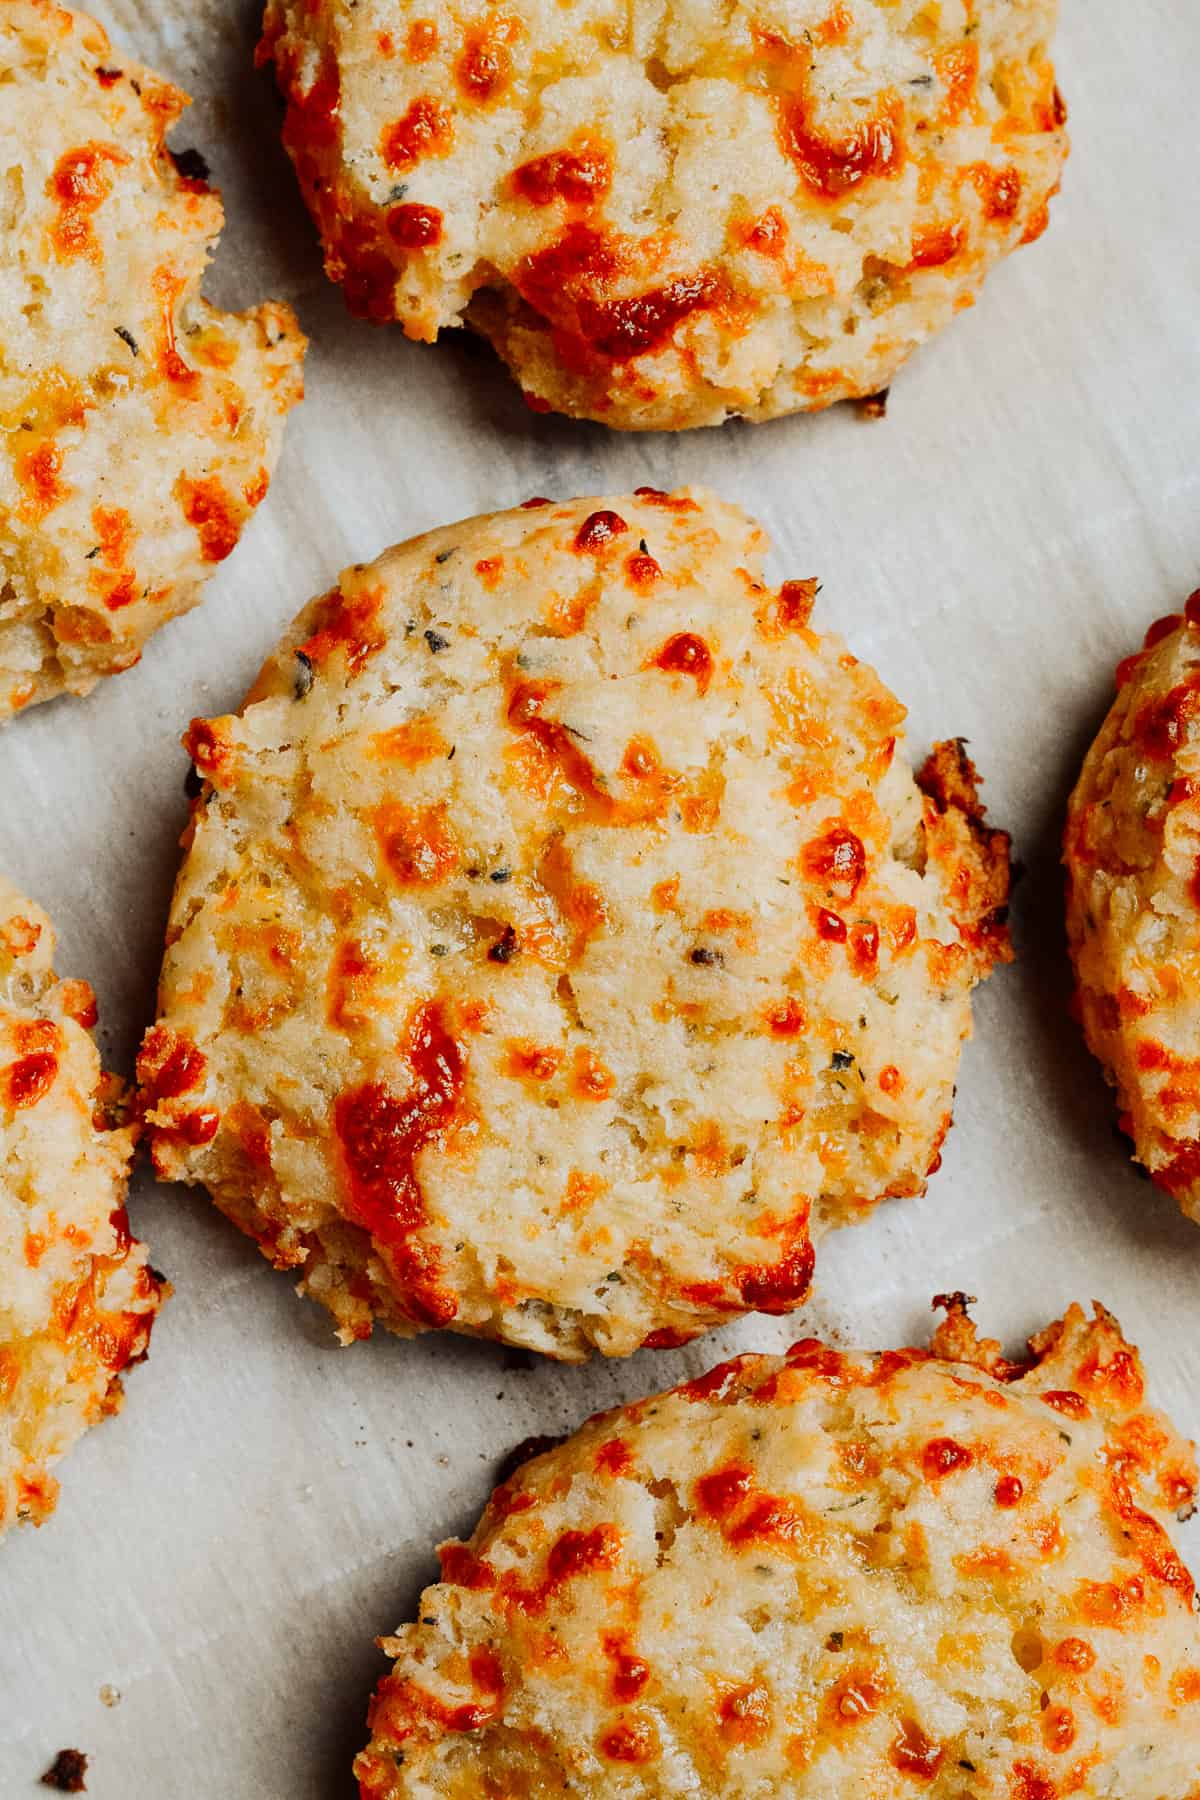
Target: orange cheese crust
(77,1296)
(1132,854)
(922,1572)
(664,216)
(138,425)
(562,938)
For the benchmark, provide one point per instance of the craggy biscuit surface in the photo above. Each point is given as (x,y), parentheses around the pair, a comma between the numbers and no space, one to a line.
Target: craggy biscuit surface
(77,1299)
(559,927)
(662,215)
(1132,852)
(139,425)
(826,1574)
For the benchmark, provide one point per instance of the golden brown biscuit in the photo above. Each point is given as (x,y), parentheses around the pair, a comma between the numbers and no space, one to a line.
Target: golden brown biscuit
(828,1574)
(559,928)
(1132,852)
(665,215)
(140,426)
(77,1298)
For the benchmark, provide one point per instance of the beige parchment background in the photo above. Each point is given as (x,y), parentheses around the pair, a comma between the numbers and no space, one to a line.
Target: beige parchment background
(225,1551)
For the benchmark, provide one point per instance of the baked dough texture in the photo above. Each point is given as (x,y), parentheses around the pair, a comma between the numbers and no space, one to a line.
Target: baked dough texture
(663,215)
(922,1572)
(560,927)
(1132,853)
(140,426)
(77,1297)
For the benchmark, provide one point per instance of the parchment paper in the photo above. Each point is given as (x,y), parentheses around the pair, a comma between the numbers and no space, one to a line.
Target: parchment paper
(226,1550)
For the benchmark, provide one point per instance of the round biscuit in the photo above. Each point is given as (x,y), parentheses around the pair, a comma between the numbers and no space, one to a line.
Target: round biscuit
(562,932)
(828,1573)
(77,1297)
(140,426)
(1132,853)
(662,216)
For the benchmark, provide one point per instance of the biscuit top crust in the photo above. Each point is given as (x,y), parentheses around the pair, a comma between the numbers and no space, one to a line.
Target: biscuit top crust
(1132,852)
(139,425)
(917,1572)
(560,912)
(663,214)
(77,1299)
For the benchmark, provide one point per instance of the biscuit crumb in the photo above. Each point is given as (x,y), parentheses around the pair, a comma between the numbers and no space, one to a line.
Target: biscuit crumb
(66,1773)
